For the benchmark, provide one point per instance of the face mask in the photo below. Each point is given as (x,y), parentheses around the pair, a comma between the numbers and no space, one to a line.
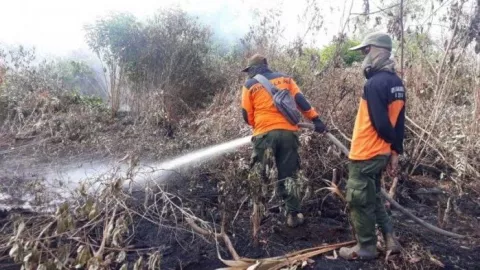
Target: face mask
(377,59)
(367,65)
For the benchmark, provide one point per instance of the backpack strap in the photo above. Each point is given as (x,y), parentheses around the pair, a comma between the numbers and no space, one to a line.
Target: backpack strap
(266,83)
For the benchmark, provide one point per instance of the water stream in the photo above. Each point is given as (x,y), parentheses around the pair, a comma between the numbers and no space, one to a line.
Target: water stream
(154,172)
(62,179)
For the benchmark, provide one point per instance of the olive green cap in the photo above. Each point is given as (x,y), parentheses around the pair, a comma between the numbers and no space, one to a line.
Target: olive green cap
(377,39)
(255,60)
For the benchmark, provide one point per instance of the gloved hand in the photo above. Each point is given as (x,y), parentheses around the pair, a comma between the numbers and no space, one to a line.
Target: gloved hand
(320,127)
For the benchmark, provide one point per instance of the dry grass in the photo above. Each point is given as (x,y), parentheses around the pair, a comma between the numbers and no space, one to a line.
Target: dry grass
(89,239)
(94,230)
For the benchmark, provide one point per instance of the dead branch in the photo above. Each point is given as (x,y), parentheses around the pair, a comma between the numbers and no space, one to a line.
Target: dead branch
(291,258)
(469,166)
(380,10)
(208,233)
(338,129)
(106,234)
(334,177)
(428,143)
(393,188)
(418,220)
(239,208)
(282,261)
(446,214)
(256,218)
(268,263)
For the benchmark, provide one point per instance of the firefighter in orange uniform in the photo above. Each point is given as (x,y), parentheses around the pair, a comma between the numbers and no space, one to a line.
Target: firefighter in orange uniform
(273,135)
(376,143)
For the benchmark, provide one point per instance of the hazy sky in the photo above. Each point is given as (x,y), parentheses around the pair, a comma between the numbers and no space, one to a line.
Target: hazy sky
(56,26)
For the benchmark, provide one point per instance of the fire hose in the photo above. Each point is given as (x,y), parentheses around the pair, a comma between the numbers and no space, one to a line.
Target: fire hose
(429,226)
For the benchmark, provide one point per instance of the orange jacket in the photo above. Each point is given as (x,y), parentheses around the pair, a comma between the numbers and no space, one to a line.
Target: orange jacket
(380,123)
(259,110)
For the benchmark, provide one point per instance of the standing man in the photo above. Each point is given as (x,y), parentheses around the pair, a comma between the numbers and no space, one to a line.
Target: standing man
(377,141)
(274,135)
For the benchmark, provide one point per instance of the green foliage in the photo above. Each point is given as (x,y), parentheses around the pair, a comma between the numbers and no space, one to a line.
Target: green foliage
(348,57)
(77,76)
(170,51)
(307,62)
(24,74)
(115,38)
(30,86)
(88,101)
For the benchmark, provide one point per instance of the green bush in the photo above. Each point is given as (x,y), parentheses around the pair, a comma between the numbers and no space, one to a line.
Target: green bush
(89,101)
(348,57)
(170,51)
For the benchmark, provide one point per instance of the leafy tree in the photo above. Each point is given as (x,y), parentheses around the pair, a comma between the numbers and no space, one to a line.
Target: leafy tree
(348,57)
(116,39)
(79,77)
(170,52)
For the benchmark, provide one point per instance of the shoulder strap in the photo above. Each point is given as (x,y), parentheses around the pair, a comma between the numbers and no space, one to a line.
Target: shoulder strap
(266,83)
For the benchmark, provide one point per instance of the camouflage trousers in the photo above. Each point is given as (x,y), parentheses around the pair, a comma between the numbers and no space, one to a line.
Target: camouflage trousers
(365,200)
(276,151)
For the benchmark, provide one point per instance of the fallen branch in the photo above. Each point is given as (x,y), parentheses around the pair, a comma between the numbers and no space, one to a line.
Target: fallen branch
(273,263)
(221,235)
(256,219)
(446,214)
(418,220)
(291,258)
(276,263)
(334,177)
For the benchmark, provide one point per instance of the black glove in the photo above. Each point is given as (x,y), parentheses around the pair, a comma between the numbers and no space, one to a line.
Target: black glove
(319,125)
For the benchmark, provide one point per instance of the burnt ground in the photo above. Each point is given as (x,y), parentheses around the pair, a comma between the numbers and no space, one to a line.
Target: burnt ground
(326,223)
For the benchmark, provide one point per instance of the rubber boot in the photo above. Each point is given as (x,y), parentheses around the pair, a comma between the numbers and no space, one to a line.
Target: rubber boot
(392,246)
(295,219)
(359,253)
